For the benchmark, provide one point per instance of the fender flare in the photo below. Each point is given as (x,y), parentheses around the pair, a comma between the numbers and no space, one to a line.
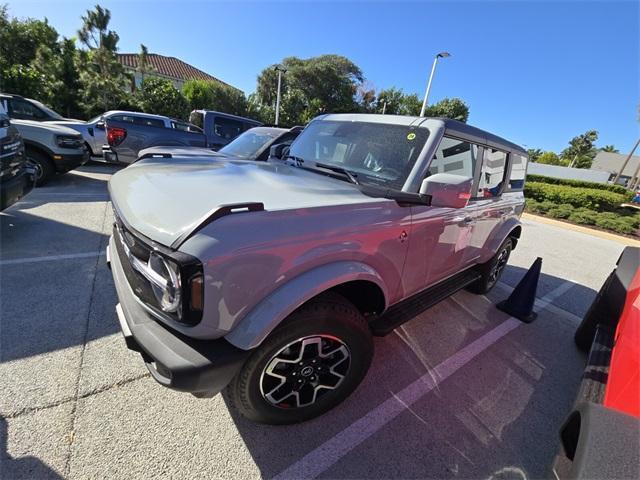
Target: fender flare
(251,331)
(500,234)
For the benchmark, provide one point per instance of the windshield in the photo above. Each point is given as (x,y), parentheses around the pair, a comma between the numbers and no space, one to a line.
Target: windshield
(249,144)
(379,154)
(50,112)
(96,119)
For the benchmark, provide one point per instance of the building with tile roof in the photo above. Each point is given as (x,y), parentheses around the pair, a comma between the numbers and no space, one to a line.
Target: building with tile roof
(170,68)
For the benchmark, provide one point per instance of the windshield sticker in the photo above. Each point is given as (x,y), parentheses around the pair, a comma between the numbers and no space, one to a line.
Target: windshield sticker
(411,136)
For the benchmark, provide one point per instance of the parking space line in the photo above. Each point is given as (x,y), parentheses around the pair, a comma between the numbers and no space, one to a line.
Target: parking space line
(51,258)
(331,451)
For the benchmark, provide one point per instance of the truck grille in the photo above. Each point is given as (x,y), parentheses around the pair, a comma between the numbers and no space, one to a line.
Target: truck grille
(137,282)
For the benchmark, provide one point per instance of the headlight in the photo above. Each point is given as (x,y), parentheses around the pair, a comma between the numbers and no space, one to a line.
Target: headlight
(65,141)
(167,281)
(166,286)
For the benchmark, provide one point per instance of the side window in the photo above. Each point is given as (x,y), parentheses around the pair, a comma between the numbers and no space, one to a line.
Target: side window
(25,111)
(456,157)
(518,172)
(149,122)
(491,178)
(227,128)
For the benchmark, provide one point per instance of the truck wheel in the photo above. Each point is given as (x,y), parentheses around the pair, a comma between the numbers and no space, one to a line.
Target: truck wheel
(308,365)
(43,166)
(492,270)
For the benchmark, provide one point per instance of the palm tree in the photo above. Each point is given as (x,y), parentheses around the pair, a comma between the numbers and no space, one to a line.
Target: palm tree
(610,148)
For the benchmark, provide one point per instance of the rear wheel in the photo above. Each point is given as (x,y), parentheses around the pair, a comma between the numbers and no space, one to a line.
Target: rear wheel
(492,270)
(44,168)
(308,365)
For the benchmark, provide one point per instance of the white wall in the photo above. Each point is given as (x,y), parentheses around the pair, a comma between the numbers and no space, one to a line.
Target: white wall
(568,173)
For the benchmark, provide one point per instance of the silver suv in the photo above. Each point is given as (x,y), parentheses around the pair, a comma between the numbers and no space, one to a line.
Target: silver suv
(269,279)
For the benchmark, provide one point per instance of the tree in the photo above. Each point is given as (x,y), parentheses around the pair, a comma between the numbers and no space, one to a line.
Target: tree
(449,108)
(551,158)
(144,66)
(581,150)
(59,67)
(395,101)
(214,95)
(20,39)
(159,96)
(610,148)
(103,78)
(19,43)
(327,83)
(534,154)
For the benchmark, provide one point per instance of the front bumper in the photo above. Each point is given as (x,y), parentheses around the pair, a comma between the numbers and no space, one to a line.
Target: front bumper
(66,162)
(13,189)
(202,367)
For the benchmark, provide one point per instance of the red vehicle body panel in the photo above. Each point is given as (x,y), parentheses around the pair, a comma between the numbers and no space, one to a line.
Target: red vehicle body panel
(623,386)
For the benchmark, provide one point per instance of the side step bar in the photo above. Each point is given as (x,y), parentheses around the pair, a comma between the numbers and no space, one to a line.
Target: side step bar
(404,311)
(594,379)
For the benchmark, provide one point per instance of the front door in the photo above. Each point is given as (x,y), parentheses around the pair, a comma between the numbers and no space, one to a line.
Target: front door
(443,234)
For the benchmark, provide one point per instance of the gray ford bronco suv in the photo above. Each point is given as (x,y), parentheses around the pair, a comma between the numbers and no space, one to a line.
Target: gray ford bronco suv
(269,279)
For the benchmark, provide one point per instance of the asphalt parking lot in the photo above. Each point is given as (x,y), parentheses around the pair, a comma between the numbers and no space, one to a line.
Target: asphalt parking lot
(462,390)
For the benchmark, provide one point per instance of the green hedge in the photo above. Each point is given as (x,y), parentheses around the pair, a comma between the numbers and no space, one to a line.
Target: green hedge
(577,183)
(623,221)
(591,198)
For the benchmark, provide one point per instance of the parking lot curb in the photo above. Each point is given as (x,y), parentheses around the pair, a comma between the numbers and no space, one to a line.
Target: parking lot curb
(577,228)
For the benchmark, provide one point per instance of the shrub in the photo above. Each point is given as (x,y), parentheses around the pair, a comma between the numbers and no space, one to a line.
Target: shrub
(561,211)
(584,217)
(577,183)
(595,199)
(617,225)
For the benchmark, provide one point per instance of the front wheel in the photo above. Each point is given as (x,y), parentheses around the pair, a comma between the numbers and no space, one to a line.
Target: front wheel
(491,271)
(308,365)
(43,166)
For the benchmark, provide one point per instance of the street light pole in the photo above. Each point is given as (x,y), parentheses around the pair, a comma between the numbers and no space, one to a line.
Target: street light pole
(280,71)
(433,71)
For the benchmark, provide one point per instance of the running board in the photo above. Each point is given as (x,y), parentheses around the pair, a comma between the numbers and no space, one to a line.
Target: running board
(596,373)
(407,309)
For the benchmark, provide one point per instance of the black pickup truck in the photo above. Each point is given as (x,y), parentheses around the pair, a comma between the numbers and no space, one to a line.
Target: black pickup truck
(208,129)
(16,178)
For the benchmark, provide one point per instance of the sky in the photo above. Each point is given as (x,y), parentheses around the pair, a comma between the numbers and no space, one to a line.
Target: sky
(535,72)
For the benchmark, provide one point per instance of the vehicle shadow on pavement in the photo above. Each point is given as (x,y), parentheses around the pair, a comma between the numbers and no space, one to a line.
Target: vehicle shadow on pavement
(45,304)
(71,187)
(28,467)
(497,416)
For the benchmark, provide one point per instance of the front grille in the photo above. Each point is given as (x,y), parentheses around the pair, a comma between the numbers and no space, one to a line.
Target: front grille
(140,285)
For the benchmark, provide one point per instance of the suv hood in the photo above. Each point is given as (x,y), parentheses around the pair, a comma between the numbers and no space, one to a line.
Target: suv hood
(164,198)
(49,126)
(67,121)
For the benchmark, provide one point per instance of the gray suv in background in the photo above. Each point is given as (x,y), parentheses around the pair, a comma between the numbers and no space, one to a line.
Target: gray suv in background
(270,278)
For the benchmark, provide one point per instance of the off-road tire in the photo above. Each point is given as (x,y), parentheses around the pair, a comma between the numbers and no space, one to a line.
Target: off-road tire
(45,170)
(488,276)
(328,315)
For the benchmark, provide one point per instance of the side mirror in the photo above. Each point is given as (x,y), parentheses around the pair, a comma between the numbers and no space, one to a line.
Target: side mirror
(100,125)
(446,190)
(278,151)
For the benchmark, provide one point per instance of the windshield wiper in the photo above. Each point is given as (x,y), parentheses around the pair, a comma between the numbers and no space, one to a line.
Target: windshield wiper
(334,168)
